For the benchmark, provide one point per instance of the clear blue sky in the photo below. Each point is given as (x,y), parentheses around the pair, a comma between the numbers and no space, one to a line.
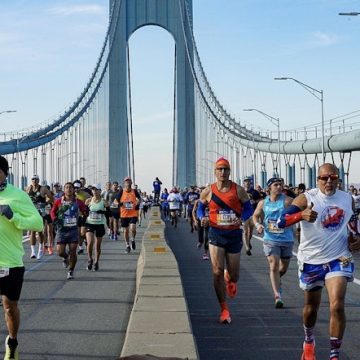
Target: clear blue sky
(48,50)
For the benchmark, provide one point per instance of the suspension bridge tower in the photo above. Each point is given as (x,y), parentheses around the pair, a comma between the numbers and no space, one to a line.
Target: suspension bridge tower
(171,15)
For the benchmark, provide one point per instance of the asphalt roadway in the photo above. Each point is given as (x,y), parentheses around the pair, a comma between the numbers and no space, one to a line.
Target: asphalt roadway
(258,331)
(83,318)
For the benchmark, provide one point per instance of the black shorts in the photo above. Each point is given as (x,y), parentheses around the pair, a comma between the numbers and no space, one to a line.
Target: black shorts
(115,213)
(11,285)
(68,236)
(47,218)
(98,230)
(230,240)
(126,221)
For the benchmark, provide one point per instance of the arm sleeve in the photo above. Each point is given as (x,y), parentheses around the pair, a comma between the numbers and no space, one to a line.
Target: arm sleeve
(289,216)
(200,212)
(26,216)
(54,210)
(247,211)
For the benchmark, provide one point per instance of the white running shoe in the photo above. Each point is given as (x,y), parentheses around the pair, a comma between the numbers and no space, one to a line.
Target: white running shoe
(40,254)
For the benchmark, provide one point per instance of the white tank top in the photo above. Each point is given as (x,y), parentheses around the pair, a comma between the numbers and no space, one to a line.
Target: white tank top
(327,238)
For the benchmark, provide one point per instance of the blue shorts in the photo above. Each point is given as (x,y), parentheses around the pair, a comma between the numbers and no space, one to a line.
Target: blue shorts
(282,251)
(230,240)
(314,276)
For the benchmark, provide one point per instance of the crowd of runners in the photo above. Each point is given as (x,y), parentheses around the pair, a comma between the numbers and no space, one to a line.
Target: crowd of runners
(73,218)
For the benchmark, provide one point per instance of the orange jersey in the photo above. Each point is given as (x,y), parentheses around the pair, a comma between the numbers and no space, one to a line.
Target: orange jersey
(219,217)
(128,200)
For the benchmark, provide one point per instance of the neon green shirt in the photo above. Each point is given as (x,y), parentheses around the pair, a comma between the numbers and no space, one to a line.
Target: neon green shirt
(25,217)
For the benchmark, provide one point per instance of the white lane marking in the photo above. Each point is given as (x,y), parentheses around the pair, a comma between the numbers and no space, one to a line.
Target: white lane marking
(356,281)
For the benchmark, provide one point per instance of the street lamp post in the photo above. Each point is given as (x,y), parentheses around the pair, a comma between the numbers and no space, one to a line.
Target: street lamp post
(276,122)
(319,94)
(7,111)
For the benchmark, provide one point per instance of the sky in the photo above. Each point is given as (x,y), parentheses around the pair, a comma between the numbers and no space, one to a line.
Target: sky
(48,50)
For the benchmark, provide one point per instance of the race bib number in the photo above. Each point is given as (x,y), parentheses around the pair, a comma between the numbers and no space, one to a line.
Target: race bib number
(128,205)
(70,221)
(114,206)
(94,216)
(273,228)
(174,205)
(225,217)
(4,272)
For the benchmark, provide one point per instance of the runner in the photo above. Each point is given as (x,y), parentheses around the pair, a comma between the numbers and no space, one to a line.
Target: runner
(157,189)
(191,197)
(229,204)
(95,226)
(165,205)
(38,195)
(82,195)
(17,213)
(65,213)
(114,211)
(129,201)
(324,254)
(203,231)
(174,199)
(248,226)
(278,243)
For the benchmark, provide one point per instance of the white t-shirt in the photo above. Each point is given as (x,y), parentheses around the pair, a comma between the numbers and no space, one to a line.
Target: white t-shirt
(174,200)
(327,238)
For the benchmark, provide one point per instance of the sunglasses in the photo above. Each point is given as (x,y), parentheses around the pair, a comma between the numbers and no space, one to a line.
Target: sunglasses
(332,177)
(222,169)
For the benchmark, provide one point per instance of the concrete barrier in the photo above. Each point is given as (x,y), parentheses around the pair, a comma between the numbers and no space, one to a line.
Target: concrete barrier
(159,323)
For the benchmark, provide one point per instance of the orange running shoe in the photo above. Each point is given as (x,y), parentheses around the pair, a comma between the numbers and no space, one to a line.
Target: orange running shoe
(309,351)
(225,316)
(231,288)
(50,250)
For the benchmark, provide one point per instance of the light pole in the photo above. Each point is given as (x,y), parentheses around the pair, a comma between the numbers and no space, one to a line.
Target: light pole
(319,94)
(276,122)
(7,111)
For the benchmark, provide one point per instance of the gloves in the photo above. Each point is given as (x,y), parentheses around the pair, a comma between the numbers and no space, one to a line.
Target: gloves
(6,211)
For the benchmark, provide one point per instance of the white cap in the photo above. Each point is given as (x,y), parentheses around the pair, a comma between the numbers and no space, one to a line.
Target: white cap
(35,177)
(97,186)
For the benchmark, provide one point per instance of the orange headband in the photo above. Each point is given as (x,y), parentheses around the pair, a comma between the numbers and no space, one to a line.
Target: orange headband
(222,162)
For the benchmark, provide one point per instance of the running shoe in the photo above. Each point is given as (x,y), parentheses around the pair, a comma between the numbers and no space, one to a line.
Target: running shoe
(40,254)
(50,250)
(128,249)
(133,245)
(225,317)
(248,252)
(65,262)
(205,257)
(308,351)
(70,275)
(279,304)
(10,352)
(199,245)
(115,237)
(80,251)
(96,266)
(33,255)
(231,288)
(89,265)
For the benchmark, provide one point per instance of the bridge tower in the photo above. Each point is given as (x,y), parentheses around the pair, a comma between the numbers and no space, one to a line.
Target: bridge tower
(170,15)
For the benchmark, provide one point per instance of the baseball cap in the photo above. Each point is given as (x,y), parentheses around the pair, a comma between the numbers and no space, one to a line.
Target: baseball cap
(128,178)
(247,178)
(272,180)
(77,184)
(35,177)
(96,186)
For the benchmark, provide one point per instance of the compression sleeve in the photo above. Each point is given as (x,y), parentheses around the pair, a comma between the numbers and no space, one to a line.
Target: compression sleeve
(200,212)
(247,211)
(353,224)
(289,216)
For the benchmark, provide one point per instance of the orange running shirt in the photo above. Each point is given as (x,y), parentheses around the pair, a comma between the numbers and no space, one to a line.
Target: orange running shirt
(222,218)
(128,200)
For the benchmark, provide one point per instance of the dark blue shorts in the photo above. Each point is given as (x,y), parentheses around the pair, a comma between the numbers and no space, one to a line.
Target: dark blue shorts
(314,276)
(230,240)
(67,236)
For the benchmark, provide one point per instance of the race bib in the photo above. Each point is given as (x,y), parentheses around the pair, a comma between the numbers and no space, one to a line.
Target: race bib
(174,205)
(225,217)
(128,205)
(114,206)
(94,216)
(70,221)
(4,272)
(273,228)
